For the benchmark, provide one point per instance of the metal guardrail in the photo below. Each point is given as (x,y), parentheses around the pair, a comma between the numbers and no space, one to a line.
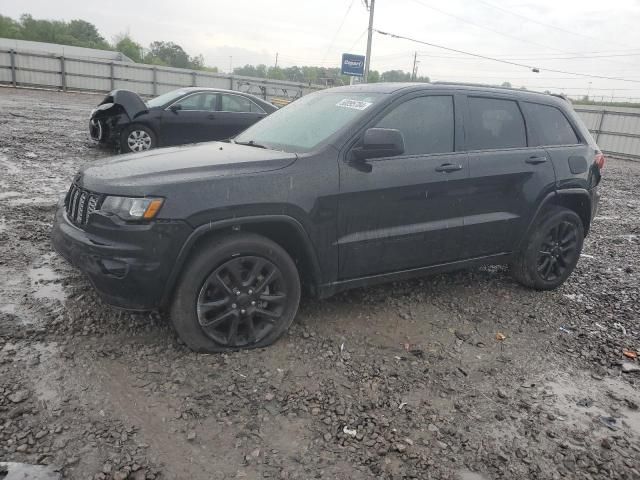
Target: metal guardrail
(31,69)
(616,130)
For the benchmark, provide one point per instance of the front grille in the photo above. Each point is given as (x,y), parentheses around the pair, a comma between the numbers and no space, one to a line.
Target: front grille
(80,203)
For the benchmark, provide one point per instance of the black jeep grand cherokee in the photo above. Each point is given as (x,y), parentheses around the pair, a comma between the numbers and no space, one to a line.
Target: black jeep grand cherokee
(343,188)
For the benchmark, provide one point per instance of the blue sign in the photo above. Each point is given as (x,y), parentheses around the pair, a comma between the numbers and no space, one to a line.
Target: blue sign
(352,65)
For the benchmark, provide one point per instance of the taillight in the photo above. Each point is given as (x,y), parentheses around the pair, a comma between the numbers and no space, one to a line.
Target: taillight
(599,160)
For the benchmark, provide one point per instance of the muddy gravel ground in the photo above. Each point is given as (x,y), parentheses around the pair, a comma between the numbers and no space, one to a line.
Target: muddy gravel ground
(407,380)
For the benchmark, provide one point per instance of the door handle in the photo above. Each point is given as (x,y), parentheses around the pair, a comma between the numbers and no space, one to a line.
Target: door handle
(448,167)
(536,160)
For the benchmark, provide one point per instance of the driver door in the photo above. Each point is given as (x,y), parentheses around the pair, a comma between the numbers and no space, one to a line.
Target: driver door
(188,120)
(405,212)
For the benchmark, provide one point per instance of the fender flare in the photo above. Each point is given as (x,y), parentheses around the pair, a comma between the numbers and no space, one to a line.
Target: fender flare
(548,199)
(235,224)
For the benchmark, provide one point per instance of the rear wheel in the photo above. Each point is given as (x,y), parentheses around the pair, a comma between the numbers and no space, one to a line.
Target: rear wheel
(137,138)
(240,292)
(552,250)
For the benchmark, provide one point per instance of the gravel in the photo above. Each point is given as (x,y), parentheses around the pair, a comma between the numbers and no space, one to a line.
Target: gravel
(416,369)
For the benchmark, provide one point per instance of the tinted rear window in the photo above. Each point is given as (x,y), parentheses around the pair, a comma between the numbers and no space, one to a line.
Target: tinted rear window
(495,123)
(550,125)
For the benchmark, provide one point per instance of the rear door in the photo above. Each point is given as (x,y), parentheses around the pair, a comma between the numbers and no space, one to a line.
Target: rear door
(192,121)
(508,175)
(572,157)
(235,114)
(405,212)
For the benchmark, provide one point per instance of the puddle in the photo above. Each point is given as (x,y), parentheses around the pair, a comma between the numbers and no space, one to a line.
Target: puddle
(24,471)
(43,281)
(8,308)
(10,194)
(33,201)
(9,167)
(599,399)
(469,475)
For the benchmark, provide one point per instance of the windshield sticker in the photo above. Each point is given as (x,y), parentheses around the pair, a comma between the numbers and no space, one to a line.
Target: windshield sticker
(355,104)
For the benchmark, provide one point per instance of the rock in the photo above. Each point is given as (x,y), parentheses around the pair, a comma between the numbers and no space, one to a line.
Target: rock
(120,476)
(106,468)
(628,367)
(315,411)
(191,436)
(442,445)
(400,447)
(327,437)
(19,396)
(605,443)
(269,396)
(22,448)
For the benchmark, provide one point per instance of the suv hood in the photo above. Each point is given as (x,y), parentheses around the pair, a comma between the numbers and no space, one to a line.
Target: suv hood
(139,173)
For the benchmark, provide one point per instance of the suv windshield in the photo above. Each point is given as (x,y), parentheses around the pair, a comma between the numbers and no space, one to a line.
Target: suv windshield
(165,98)
(306,123)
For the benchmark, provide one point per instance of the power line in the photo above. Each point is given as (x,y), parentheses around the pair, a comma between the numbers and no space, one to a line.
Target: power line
(548,25)
(479,25)
(338,30)
(485,57)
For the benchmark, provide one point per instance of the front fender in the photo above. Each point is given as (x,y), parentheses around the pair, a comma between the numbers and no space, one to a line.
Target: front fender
(235,224)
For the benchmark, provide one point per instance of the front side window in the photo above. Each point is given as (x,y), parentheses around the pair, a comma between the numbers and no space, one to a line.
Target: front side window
(426,123)
(199,101)
(551,126)
(494,124)
(310,121)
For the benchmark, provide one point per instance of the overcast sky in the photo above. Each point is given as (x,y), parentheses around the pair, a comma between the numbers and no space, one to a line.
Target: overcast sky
(303,32)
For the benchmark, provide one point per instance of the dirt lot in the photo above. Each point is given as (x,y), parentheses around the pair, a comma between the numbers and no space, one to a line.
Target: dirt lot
(401,381)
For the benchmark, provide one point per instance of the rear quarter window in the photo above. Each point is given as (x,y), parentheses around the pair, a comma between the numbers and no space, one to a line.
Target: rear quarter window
(550,125)
(495,123)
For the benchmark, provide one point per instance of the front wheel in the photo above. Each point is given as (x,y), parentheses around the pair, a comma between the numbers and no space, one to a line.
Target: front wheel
(241,291)
(552,250)
(137,138)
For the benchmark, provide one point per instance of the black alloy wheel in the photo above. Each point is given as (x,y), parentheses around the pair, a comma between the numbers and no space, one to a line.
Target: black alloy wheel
(551,249)
(242,301)
(558,251)
(237,291)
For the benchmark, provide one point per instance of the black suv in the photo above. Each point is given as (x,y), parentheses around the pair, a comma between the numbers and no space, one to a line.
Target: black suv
(343,188)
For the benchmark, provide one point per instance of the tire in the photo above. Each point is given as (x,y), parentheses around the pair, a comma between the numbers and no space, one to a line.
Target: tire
(137,138)
(241,291)
(552,250)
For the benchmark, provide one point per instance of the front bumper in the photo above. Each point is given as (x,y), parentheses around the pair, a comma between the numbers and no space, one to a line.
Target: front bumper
(128,265)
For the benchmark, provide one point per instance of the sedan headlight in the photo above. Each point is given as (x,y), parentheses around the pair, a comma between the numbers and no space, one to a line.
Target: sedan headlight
(132,208)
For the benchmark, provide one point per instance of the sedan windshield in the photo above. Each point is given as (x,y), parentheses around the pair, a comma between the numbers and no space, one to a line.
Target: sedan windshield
(166,98)
(306,123)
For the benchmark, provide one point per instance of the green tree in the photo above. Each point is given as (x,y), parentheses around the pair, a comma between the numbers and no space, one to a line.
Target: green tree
(126,45)
(86,34)
(506,84)
(9,28)
(374,76)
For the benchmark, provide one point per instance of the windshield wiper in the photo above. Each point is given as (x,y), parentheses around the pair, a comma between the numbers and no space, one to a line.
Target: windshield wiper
(250,143)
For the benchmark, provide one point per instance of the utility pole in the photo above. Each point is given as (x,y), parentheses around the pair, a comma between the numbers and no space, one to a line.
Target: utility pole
(367,60)
(276,59)
(413,71)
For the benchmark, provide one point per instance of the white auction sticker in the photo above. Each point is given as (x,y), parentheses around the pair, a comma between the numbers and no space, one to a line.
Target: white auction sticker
(355,104)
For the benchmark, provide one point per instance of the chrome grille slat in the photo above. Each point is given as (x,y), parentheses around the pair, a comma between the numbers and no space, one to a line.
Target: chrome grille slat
(80,203)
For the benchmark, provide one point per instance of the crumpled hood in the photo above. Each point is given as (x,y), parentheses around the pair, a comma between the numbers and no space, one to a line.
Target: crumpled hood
(141,173)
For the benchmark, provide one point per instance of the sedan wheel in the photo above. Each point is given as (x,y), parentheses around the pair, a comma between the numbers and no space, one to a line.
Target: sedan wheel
(139,141)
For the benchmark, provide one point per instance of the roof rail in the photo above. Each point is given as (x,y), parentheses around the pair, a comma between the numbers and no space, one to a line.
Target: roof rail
(486,85)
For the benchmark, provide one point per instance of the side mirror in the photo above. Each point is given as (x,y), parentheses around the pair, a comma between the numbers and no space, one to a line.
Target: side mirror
(175,108)
(380,142)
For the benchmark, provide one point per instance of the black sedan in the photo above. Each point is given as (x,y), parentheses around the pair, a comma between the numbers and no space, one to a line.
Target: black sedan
(186,115)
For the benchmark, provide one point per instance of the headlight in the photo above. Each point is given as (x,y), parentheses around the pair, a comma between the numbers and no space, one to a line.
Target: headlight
(132,208)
